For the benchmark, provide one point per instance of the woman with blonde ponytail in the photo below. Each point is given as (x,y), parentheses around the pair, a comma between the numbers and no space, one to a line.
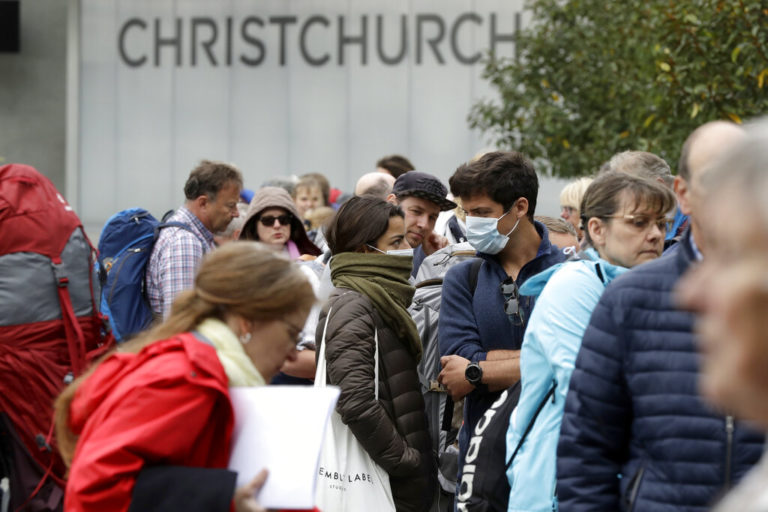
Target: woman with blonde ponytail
(149,427)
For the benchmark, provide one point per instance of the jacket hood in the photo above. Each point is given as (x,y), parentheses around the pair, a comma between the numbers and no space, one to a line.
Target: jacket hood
(276,197)
(535,284)
(270,197)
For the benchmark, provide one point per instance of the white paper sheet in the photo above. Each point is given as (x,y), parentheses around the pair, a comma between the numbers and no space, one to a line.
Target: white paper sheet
(281,428)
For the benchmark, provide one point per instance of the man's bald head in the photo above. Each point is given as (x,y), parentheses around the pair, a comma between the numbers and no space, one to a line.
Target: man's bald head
(377,184)
(705,144)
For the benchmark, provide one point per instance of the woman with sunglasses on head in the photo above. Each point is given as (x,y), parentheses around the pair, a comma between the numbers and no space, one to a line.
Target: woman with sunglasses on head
(149,427)
(273,219)
(624,219)
(370,268)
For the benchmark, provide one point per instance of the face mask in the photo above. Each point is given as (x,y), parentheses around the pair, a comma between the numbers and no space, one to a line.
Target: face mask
(396,252)
(483,235)
(401,252)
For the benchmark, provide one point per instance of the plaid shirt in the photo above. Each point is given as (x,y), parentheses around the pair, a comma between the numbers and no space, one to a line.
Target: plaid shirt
(175,259)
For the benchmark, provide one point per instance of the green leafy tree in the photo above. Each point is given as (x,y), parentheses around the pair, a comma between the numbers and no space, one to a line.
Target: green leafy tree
(594,77)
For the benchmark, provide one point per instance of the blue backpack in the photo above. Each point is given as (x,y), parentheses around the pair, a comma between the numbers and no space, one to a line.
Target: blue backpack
(125,247)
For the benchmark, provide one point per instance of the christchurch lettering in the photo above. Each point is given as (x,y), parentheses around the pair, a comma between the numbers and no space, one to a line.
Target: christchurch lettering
(316,40)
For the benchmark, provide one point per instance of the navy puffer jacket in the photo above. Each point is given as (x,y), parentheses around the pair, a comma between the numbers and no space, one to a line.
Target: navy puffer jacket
(636,435)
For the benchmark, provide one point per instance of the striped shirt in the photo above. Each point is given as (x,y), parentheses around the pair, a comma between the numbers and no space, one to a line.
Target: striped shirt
(175,260)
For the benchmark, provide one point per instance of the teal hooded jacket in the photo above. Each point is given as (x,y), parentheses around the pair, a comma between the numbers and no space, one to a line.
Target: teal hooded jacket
(567,294)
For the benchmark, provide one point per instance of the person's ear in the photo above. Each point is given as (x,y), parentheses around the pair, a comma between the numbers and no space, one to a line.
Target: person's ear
(392,198)
(597,231)
(202,201)
(520,207)
(682,192)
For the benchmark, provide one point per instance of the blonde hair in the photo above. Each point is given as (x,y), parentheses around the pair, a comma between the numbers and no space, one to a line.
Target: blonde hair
(573,192)
(240,278)
(318,216)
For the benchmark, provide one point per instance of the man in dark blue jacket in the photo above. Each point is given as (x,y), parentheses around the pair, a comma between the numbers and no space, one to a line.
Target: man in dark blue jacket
(481,327)
(636,435)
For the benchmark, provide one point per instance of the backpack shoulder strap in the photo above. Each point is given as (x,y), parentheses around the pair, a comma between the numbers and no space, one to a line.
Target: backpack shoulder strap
(599,272)
(180,225)
(474,271)
(456,232)
(528,429)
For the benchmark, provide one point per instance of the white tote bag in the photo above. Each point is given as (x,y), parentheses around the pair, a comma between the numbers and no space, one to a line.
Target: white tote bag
(348,480)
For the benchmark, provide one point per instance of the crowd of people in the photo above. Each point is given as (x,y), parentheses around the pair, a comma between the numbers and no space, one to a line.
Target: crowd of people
(628,337)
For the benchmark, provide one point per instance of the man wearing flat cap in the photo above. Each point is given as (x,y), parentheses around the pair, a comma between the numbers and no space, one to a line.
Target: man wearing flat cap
(422,197)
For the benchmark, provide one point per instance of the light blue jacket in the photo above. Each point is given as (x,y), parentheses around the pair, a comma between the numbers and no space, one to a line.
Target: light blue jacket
(551,343)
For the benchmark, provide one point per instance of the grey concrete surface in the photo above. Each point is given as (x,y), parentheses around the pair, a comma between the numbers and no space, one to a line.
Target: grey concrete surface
(33,91)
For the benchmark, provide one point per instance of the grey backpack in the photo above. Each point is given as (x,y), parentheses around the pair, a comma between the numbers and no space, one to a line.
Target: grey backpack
(425,310)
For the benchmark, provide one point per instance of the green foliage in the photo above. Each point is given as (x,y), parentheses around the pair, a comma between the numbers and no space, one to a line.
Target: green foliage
(594,77)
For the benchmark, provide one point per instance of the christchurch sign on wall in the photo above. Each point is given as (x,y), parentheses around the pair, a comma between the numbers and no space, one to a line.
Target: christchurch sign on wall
(278,87)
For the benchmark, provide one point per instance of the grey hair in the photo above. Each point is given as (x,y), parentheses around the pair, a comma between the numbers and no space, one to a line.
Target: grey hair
(643,164)
(236,224)
(381,188)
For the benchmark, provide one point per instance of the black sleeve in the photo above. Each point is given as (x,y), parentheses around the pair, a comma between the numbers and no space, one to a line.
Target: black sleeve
(163,488)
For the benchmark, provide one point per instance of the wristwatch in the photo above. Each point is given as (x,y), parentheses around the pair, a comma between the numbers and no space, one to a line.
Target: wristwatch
(474,374)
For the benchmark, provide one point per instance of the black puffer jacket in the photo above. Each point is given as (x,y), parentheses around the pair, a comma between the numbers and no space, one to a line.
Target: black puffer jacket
(394,429)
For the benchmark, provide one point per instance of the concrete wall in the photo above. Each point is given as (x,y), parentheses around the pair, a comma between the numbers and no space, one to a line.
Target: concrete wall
(33,91)
(33,100)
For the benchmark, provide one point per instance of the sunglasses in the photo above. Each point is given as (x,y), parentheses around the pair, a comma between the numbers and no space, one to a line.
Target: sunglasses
(511,294)
(269,220)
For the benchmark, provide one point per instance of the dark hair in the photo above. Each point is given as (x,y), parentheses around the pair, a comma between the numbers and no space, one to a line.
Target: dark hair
(209,177)
(396,165)
(504,176)
(602,198)
(361,220)
(322,182)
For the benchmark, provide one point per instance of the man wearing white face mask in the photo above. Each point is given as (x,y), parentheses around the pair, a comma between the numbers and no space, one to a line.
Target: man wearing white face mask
(481,331)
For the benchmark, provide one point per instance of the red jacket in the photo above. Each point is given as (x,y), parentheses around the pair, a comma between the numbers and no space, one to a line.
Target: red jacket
(168,405)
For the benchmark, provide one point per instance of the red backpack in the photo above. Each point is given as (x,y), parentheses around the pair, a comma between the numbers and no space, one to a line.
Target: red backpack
(50,329)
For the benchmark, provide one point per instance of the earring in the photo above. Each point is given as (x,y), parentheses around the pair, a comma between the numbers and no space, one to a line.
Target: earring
(245,338)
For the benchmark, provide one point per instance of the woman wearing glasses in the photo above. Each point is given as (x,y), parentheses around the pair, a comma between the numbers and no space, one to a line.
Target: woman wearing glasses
(370,268)
(624,219)
(149,427)
(273,219)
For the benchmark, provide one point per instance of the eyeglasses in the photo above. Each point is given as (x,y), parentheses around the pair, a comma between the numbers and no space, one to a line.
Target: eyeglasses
(644,222)
(269,220)
(293,331)
(511,294)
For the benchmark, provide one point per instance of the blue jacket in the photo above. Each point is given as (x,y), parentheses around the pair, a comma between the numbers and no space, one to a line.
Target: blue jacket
(552,340)
(472,324)
(635,434)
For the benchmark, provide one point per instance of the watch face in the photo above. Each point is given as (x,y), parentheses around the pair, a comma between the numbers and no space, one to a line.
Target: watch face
(473,373)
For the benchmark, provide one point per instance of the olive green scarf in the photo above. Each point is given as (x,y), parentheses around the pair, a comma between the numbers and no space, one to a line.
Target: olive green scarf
(384,280)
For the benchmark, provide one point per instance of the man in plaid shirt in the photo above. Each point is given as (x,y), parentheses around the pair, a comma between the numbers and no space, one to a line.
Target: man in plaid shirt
(212,192)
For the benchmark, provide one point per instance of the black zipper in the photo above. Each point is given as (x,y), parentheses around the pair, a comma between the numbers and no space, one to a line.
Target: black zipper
(729,427)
